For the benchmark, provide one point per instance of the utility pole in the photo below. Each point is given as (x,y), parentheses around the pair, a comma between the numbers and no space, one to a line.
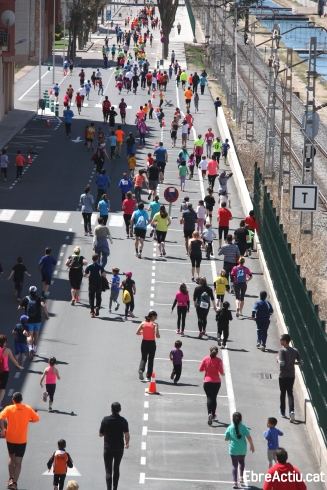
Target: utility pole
(223,43)
(270,142)
(54,42)
(250,98)
(234,80)
(40,48)
(285,156)
(310,128)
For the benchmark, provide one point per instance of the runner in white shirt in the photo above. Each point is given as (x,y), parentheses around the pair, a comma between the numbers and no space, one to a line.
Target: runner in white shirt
(203,165)
(82,92)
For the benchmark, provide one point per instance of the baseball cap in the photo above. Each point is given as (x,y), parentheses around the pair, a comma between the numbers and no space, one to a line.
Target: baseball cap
(128,273)
(33,289)
(24,318)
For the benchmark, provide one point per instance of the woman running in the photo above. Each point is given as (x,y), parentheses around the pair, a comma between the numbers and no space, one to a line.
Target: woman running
(212,366)
(182,300)
(51,374)
(201,297)
(104,208)
(128,206)
(195,253)
(237,434)
(5,354)
(241,276)
(149,329)
(87,201)
(162,221)
(75,264)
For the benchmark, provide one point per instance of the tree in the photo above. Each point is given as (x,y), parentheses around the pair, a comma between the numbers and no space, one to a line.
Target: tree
(167,10)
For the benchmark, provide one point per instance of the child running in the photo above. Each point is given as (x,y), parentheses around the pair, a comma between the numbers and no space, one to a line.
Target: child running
(60,460)
(223,317)
(114,293)
(132,164)
(21,333)
(18,271)
(271,436)
(176,356)
(249,241)
(191,165)
(182,170)
(221,284)
(51,374)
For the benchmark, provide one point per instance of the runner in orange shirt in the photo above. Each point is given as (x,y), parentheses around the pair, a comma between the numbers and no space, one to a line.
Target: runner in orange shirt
(18,417)
(120,135)
(188,94)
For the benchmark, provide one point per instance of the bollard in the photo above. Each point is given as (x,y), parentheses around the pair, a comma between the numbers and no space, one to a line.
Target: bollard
(47,102)
(48,66)
(52,105)
(57,109)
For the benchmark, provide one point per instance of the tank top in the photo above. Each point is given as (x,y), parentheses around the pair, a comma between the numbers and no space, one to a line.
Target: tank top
(60,462)
(51,378)
(148,331)
(4,358)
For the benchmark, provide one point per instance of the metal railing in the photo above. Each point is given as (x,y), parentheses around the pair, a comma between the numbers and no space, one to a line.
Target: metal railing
(191,15)
(300,314)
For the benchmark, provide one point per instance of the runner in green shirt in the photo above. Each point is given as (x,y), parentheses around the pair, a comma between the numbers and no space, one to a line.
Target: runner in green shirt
(216,146)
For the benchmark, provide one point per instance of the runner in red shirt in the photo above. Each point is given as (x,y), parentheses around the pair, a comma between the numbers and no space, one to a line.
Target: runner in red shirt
(253,225)
(106,104)
(189,118)
(223,218)
(78,102)
(148,78)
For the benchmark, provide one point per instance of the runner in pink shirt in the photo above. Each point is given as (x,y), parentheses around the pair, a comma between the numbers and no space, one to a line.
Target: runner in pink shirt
(212,366)
(212,167)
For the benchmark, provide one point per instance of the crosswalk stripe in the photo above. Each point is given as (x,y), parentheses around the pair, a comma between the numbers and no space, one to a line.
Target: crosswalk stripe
(61,217)
(94,218)
(116,220)
(34,216)
(7,214)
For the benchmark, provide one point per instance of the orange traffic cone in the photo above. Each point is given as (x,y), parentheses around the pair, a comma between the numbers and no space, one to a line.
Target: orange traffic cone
(29,158)
(153,385)
(163,123)
(48,122)
(153,96)
(50,92)
(157,109)
(65,73)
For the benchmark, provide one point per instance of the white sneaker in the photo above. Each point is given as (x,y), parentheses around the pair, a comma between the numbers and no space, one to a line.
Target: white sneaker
(292,417)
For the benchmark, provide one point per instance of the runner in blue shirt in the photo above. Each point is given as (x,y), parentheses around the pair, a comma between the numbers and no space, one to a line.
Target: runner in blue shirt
(45,266)
(125,185)
(56,91)
(68,116)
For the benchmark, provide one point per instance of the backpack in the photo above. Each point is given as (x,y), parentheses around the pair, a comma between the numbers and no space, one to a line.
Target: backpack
(240,276)
(126,296)
(31,309)
(74,262)
(204,301)
(140,223)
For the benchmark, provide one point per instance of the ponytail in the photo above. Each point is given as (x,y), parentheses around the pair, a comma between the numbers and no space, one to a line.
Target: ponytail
(237,418)
(163,212)
(150,315)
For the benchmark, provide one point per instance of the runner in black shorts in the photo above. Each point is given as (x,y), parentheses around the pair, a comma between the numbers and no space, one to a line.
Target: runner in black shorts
(161,167)
(209,201)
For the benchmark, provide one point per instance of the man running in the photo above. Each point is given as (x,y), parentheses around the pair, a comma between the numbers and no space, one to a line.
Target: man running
(114,428)
(94,272)
(46,267)
(161,156)
(106,104)
(32,304)
(18,417)
(68,117)
(139,221)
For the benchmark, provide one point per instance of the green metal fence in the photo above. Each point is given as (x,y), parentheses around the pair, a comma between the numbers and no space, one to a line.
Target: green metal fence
(191,15)
(300,314)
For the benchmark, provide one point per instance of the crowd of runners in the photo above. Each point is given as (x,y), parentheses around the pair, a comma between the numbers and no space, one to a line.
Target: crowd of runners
(202,222)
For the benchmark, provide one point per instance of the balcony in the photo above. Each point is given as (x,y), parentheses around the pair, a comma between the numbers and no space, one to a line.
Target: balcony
(4,40)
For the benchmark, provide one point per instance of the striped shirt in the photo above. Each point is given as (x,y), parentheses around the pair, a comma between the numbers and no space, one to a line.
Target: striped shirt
(177,356)
(229,251)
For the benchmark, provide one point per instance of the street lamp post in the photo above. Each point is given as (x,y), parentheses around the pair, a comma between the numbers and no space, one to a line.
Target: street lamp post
(54,41)
(40,46)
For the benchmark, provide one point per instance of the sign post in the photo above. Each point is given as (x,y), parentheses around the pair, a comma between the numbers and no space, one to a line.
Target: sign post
(304,198)
(171,195)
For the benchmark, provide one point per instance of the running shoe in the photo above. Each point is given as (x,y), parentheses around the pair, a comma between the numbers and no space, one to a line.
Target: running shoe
(263,348)
(192,278)
(223,346)
(85,233)
(139,255)
(149,197)
(50,409)
(237,312)
(45,396)
(258,345)
(160,255)
(214,417)
(125,318)
(197,280)
(72,302)
(210,419)
(136,253)
(90,233)
(131,314)
(292,417)
(10,483)
(92,314)
(178,331)
(182,334)
(117,306)
(77,299)
(219,341)
(31,354)
(110,311)
(141,376)
(97,309)
(172,376)
(282,414)
(232,290)
(163,251)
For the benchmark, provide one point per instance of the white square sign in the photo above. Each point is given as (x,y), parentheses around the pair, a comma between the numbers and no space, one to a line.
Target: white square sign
(304,198)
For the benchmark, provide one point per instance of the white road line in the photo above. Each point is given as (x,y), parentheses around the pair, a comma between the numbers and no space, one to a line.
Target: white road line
(61,217)
(146,404)
(116,220)
(37,81)
(7,214)
(143,446)
(34,216)
(184,360)
(17,375)
(185,480)
(188,331)
(143,460)
(145,416)
(144,431)
(188,433)
(181,394)
(10,392)
(142,478)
